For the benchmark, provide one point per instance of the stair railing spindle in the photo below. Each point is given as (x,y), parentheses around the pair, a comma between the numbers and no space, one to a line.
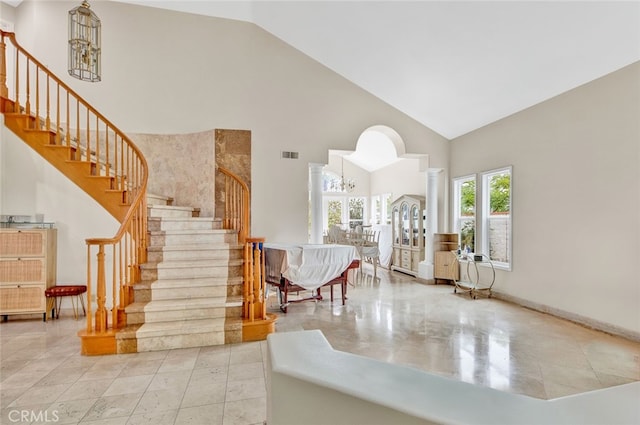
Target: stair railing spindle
(97,139)
(4,90)
(16,76)
(58,128)
(115,290)
(28,87)
(107,153)
(67,135)
(48,100)
(88,141)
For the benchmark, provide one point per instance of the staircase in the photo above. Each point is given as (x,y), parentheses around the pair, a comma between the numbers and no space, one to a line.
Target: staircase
(191,289)
(177,280)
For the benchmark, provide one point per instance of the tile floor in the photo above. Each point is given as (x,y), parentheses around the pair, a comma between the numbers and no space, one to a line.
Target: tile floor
(392,318)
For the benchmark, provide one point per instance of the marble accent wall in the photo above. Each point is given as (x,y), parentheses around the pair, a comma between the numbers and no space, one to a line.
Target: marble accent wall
(181,166)
(233,152)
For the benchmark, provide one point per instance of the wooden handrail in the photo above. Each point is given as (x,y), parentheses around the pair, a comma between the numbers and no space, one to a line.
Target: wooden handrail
(237,205)
(107,152)
(236,216)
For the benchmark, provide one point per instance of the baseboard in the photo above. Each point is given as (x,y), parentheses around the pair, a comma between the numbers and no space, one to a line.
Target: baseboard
(572,317)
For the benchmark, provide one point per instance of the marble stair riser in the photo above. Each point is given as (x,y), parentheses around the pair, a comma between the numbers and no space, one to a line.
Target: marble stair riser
(169,212)
(157,224)
(161,294)
(187,272)
(189,340)
(186,314)
(205,237)
(139,314)
(168,254)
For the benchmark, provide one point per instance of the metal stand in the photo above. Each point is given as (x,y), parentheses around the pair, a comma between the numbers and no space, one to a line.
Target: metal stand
(475,284)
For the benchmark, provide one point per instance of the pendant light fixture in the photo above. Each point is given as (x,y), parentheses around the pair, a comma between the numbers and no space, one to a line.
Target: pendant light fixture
(346,185)
(84,43)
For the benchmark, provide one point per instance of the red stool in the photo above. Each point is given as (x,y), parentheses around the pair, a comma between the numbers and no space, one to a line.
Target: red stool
(56,293)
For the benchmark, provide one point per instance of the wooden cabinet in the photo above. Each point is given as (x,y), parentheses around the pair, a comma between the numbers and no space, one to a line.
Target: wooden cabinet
(445,264)
(408,234)
(27,268)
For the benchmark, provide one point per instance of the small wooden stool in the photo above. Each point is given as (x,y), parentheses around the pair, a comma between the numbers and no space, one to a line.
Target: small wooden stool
(54,298)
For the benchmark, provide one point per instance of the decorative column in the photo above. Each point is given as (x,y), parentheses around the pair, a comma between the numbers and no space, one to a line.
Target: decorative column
(426,267)
(315,202)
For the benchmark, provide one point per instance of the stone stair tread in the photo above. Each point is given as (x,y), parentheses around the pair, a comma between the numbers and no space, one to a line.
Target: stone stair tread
(180,304)
(170,207)
(191,231)
(194,282)
(207,262)
(180,327)
(206,219)
(222,246)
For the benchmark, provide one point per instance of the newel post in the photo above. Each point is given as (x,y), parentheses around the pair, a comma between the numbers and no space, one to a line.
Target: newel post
(101,293)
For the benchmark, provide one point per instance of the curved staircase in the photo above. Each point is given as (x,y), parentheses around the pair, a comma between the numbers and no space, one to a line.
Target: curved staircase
(175,279)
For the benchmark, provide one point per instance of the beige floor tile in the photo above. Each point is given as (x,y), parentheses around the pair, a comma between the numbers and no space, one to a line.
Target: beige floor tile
(208,414)
(391,318)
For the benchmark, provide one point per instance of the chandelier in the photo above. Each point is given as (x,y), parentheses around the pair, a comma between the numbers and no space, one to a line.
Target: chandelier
(84,43)
(345,185)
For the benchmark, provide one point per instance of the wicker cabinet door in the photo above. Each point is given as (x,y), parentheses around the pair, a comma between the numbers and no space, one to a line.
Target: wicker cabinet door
(27,269)
(22,299)
(23,243)
(22,270)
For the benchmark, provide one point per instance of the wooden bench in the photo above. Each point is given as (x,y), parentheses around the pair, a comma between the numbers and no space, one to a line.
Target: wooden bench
(55,294)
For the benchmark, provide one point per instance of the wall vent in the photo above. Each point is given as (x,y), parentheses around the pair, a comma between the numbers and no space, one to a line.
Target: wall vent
(289,155)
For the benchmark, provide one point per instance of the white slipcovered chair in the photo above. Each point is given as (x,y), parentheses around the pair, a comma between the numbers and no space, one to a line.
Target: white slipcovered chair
(370,249)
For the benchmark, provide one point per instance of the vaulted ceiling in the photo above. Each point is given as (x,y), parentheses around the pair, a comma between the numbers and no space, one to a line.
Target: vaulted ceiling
(454,66)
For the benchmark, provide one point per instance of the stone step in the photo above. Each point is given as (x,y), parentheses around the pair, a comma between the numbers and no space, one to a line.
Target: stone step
(183,309)
(171,211)
(191,269)
(156,254)
(183,223)
(182,334)
(193,237)
(167,289)
(154,199)
(178,289)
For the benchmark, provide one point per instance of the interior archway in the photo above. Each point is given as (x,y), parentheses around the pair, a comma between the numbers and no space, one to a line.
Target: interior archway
(377,147)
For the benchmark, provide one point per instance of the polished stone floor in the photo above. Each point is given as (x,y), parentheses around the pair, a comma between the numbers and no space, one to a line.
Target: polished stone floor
(487,342)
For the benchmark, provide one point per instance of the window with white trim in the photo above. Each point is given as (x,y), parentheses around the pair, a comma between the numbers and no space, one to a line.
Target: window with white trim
(482,214)
(496,211)
(464,210)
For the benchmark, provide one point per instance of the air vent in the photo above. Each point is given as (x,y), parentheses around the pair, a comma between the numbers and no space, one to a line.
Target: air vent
(289,155)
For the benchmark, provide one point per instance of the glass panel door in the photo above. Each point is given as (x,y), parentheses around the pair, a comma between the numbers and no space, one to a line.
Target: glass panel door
(405,223)
(415,226)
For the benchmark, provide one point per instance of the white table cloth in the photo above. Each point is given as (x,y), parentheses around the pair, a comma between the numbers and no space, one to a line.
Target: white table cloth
(307,265)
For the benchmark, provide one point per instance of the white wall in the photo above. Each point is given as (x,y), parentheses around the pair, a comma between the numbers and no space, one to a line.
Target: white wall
(576,199)
(169,73)
(400,178)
